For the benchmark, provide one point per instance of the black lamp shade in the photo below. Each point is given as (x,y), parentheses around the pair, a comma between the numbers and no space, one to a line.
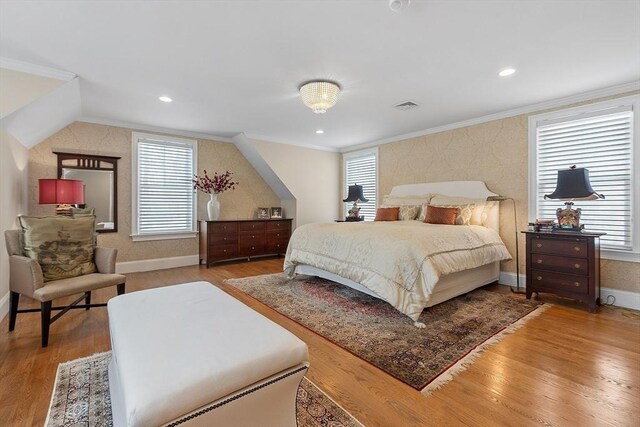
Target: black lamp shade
(355,194)
(573,184)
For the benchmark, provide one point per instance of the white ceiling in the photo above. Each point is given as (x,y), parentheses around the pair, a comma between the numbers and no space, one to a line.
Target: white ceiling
(235,66)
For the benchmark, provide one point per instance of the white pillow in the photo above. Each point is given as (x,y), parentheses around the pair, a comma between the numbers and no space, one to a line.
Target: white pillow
(480,210)
(393,201)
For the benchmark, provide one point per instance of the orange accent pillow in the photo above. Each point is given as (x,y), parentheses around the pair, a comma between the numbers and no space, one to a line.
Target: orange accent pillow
(436,215)
(387,214)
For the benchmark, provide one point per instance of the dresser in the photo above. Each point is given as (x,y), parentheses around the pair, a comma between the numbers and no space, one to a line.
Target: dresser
(226,240)
(565,264)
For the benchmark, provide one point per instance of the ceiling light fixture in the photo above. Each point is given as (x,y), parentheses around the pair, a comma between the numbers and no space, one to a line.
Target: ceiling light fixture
(507,72)
(165,98)
(320,95)
(398,5)
(319,131)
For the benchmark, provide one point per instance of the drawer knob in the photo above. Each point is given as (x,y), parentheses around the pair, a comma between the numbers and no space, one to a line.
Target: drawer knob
(539,245)
(253,237)
(576,283)
(252,247)
(576,248)
(224,238)
(278,235)
(576,265)
(539,277)
(224,250)
(539,261)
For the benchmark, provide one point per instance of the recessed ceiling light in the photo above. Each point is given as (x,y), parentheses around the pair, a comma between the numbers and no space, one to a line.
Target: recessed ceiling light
(319,131)
(165,98)
(507,72)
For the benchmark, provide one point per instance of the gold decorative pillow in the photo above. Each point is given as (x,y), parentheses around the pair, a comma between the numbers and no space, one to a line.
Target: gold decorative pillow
(464,212)
(408,212)
(423,212)
(63,246)
(480,212)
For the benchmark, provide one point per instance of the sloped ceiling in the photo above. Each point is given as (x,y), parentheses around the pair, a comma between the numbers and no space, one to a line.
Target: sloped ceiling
(18,89)
(235,66)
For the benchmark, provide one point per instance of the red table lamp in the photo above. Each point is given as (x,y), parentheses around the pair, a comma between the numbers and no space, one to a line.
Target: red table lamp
(61,192)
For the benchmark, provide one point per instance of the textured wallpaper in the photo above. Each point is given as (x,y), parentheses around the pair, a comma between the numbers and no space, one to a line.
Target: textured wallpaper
(494,152)
(88,138)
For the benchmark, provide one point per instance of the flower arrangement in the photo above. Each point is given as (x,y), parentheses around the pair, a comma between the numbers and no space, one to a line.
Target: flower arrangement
(217,184)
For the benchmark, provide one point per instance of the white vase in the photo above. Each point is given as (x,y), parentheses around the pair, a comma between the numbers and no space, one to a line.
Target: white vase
(213,207)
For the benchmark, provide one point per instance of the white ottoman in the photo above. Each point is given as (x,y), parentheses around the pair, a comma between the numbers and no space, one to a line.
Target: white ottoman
(192,355)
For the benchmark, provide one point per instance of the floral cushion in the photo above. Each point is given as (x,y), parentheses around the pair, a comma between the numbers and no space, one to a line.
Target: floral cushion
(63,246)
(408,212)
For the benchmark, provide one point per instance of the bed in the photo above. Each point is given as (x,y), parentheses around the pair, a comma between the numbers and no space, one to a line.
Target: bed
(409,264)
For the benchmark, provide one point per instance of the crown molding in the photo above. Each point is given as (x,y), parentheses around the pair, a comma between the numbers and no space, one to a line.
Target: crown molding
(149,128)
(268,139)
(532,108)
(38,70)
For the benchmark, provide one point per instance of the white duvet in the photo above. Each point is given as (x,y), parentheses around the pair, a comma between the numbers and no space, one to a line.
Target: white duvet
(400,261)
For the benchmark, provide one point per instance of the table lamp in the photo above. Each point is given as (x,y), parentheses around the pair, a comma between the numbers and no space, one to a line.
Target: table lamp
(356,196)
(572,184)
(61,192)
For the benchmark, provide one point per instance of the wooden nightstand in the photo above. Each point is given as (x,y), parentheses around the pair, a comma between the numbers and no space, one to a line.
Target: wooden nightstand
(565,264)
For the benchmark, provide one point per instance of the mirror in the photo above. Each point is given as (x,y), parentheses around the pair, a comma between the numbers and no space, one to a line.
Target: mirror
(100,177)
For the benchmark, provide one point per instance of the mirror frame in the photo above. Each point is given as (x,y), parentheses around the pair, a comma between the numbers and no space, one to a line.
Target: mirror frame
(93,162)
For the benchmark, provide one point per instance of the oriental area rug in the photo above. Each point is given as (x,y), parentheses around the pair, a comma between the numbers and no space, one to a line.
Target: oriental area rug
(457,330)
(81,398)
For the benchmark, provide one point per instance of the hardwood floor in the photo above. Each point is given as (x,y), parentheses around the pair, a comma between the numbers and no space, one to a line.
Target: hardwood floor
(564,368)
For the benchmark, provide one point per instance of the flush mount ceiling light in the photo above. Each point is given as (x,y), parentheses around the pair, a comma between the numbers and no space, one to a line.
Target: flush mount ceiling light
(319,131)
(165,98)
(398,5)
(320,95)
(507,72)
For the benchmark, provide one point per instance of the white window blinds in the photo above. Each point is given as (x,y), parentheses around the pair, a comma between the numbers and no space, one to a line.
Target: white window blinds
(601,142)
(360,168)
(165,195)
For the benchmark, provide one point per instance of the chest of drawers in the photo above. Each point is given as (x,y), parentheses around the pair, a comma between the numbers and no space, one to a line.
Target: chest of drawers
(226,240)
(565,264)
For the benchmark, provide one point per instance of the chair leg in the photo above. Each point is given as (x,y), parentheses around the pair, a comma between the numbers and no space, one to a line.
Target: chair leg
(45,320)
(14,297)
(121,289)
(87,299)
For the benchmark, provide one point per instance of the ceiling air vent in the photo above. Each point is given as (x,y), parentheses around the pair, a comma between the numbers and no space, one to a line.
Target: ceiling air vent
(406,105)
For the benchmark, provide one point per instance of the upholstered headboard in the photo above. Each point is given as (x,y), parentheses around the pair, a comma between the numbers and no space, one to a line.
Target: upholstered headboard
(471,189)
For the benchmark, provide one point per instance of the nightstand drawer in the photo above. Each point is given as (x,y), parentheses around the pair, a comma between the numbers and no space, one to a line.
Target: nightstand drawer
(559,282)
(577,266)
(574,247)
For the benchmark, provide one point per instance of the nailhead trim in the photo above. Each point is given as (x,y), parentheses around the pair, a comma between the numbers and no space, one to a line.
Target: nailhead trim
(231,399)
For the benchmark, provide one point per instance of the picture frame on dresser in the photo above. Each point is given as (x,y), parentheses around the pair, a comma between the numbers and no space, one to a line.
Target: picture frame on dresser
(263,213)
(276,213)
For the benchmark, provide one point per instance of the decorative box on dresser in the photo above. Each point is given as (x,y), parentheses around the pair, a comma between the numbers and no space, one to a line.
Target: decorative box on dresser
(565,264)
(232,239)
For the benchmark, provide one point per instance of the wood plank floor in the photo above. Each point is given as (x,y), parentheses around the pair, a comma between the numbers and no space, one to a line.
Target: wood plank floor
(564,368)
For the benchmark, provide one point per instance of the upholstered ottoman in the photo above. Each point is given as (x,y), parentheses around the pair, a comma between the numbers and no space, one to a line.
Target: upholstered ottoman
(192,355)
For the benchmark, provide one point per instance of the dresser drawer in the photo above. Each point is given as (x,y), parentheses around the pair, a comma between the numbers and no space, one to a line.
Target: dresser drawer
(575,247)
(249,249)
(222,228)
(223,252)
(278,225)
(223,238)
(278,235)
(246,238)
(251,226)
(278,247)
(577,266)
(559,282)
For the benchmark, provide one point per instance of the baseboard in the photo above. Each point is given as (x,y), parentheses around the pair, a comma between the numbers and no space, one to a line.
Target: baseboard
(156,264)
(4,305)
(622,298)
(626,299)
(508,278)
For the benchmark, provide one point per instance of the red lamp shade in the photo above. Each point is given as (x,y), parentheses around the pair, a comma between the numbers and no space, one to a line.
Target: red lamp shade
(61,191)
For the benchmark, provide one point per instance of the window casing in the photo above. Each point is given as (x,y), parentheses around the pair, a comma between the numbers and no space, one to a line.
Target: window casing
(361,167)
(601,137)
(163,198)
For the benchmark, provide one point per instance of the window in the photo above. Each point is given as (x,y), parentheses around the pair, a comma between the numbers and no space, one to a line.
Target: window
(164,201)
(601,138)
(361,167)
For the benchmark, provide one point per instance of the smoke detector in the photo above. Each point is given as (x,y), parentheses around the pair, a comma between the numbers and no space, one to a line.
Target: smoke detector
(398,5)
(406,105)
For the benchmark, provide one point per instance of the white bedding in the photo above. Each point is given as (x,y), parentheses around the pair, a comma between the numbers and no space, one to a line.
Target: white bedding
(399,261)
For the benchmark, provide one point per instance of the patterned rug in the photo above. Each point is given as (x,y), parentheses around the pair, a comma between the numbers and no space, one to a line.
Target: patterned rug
(457,330)
(81,398)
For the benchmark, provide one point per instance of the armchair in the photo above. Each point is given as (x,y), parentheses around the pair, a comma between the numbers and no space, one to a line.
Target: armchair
(26,278)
